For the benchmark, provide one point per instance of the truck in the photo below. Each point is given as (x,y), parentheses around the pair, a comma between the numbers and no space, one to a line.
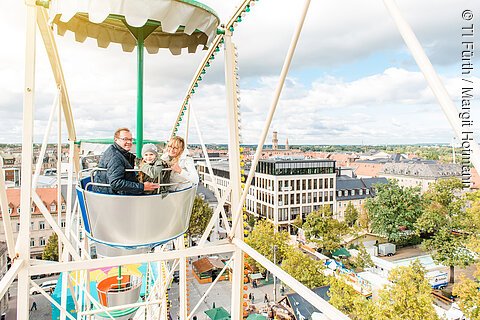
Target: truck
(386,249)
(437,279)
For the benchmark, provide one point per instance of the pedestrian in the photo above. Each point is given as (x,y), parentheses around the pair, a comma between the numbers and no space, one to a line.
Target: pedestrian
(265,299)
(34,306)
(253,298)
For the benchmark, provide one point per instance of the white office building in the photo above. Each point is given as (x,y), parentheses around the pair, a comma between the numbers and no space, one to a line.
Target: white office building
(282,189)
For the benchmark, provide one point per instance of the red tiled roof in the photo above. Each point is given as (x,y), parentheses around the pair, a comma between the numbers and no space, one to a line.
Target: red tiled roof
(367,169)
(48,195)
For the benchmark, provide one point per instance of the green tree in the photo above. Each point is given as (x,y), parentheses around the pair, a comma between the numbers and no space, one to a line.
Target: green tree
(305,269)
(408,296)
(441,220)
(263,238)
(363,259)
(298,222)
(201,215)
(394,210)
(468,295)
(323,229)
(343,296)
(351,214)
(51,249)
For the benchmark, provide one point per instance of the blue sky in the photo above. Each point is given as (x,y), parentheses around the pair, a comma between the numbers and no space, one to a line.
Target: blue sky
(352,79)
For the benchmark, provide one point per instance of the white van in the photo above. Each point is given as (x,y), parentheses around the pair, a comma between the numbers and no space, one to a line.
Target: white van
(48,286)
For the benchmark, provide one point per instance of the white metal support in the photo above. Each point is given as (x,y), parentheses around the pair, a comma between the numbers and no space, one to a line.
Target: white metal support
(7,224)
(219,275)
(234,169)
(11,274)
(271,112)
(217,211)
(182,286)
(23,241)
(326,308)
(43,148)
(61,236)
(432,78)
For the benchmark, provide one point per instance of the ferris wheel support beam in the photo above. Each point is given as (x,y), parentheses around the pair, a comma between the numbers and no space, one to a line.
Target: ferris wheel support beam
(234,169)
(54,58)
(326,308)
(23,240)
(433,80)
(271,112)
(7,225)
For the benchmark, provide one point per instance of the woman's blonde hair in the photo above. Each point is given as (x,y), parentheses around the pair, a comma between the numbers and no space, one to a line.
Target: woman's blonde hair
(178,142)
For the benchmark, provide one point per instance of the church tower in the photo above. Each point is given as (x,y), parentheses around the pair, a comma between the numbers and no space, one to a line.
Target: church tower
(274,141)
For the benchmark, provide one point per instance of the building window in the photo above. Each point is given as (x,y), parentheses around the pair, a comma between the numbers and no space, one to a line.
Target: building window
(41,225)
(32,209)
(64,207)
(353,192)
(31,225)
(10,210)
(32,242)
(63,223)
(360,192)
(18,226)
(18,210)
(53,207)
(331,182)
(42,241)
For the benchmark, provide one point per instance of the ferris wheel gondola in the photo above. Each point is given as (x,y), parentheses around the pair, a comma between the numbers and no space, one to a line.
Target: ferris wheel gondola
(121,224)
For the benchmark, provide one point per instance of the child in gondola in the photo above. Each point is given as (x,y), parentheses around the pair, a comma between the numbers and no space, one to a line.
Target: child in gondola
(151,168)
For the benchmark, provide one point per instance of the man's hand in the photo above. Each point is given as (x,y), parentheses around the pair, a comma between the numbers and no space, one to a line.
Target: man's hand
(150,186)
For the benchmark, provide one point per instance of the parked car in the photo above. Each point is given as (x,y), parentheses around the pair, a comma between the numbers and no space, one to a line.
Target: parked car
(48,286)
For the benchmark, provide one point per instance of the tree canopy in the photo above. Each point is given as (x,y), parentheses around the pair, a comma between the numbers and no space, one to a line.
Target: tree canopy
(407,297)
(263,238)
(443,218)
(305,269)
(51,249)
(323,229)
(351,214)
(201,215)
(394,210)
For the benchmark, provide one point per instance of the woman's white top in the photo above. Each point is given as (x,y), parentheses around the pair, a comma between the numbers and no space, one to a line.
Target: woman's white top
(188,174)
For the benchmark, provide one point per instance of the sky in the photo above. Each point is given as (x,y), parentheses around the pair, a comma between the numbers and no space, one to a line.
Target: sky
(352,80)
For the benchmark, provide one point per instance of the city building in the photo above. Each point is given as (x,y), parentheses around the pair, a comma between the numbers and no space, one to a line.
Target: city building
(355,191)
(420,173)
(282,189)
(40,230)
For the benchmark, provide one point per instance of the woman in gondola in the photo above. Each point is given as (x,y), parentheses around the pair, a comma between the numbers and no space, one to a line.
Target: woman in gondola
(183,168)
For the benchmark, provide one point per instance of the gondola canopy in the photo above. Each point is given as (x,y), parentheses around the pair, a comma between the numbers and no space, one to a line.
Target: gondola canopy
(172,24)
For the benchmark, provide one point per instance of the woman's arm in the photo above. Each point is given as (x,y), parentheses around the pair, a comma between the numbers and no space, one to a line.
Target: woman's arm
(189,172)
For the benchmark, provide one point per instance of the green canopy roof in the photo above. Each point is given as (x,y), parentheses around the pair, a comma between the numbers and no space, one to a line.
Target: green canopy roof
(342,252)
(255,316)
(218,314)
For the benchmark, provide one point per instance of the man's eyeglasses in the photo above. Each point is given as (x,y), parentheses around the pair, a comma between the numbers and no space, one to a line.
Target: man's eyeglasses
(125,139)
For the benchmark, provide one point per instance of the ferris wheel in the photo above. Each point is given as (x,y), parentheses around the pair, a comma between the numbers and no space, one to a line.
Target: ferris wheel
(135,261)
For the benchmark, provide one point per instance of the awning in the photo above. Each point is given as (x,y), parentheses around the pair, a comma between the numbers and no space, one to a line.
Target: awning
(218,314)
(255,316)
(256,276)
(342,252)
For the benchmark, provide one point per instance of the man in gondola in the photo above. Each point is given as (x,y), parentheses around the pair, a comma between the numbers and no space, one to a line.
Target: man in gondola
(117,159)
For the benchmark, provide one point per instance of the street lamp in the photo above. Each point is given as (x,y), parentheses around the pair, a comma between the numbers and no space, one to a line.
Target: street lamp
(274,277)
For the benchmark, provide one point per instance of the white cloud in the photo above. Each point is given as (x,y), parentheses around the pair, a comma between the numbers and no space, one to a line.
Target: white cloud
(390,105)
